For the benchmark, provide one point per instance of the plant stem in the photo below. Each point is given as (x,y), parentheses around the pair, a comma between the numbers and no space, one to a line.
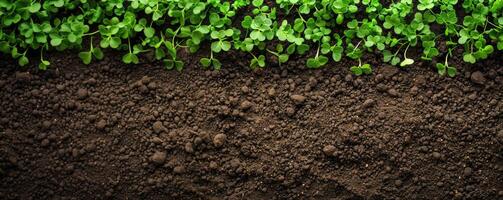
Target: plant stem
(86,34)
(405,52)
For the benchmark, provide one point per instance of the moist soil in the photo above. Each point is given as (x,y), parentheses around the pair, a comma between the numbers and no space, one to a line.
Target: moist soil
(115,131)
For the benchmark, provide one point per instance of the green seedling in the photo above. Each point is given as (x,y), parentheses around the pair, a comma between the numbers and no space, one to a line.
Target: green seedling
(361,69)
(87,56)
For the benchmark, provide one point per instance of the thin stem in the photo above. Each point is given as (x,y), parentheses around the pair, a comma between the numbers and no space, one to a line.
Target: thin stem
(129,43)
(253,55)
(300,15)
(41,54)
(357,45)
(398,49)
(86,34)
(91,43)
(446,64)
(405,52)
(318,51)
(274,53)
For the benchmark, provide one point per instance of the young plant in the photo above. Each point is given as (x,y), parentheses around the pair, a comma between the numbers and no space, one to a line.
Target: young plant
(211,61)
(318,60)
(280,55)
(444,68)
(361,69)
(87,56)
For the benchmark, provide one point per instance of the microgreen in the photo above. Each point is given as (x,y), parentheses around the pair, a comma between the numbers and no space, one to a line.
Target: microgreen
(335,29)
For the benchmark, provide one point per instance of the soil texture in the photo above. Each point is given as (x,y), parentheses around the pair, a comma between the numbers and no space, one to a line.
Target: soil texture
(112,131)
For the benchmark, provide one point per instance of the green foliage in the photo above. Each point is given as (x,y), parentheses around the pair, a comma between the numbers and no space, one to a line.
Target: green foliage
(332,27)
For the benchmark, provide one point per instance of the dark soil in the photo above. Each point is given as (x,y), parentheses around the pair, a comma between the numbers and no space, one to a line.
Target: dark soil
(139,132)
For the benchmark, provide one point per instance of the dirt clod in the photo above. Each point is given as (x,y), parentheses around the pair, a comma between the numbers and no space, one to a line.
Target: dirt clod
(219,139)
(245,105)
(478,77)
(179,169)
(82,93)
(158,127)
(299,99)
(101,124)
(159,157)
(368,103)
(329,150)
(394,93)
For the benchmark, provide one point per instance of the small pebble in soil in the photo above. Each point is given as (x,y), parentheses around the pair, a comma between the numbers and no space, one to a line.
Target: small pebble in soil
(290,111)
(436,155)
(368,103)
(271,92)
(158,157)
(398,183)
(60,87)
(500,135)
(219,140)
(213,165)
(158,127)
(189,148)
(82,93)
(179,169)
(101,124)
(478,77)
(245,89)
(298,98)
(45,142)
(467,171)
(46,124)
(245,105)
(329,150)
(393,92)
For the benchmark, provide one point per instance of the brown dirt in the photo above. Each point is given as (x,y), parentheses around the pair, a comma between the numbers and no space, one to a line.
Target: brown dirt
(139,132)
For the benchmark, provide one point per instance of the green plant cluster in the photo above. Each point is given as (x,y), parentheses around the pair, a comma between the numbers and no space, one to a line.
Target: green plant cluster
(333,29)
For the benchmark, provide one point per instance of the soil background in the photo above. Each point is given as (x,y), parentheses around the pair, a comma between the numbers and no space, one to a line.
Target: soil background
(115,131)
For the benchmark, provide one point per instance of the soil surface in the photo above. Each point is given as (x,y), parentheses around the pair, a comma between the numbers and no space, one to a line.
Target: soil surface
(112,131)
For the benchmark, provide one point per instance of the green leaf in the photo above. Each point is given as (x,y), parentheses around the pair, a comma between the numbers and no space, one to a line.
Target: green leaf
(313,63)
(205,62)
(56,41)
(159,53)
(23,60)
(337,53)
(226,45)
(441,69)
(322,60)
(366,69)
(216,47)
(301,49)
(451,71)
(283,58)
(115,42)
(86,57)
(149,32)
(469,58)
(261,61)
(257,3)
(406,61)
(34,7)
(395,60)
(43,64)
(216,64)
(130,58)
(199,8)
(356,70)
(98,54)
(291,49)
